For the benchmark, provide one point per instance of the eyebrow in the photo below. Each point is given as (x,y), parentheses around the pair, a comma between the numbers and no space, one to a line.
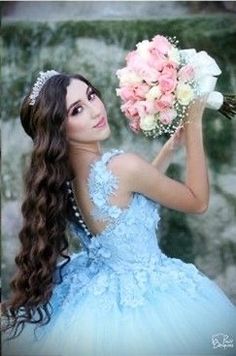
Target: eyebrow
(78,101)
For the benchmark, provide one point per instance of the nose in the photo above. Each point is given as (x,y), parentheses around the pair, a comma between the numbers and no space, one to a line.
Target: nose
(95,111)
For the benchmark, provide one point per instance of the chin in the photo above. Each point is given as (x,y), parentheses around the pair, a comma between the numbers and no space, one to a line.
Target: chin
(107,132)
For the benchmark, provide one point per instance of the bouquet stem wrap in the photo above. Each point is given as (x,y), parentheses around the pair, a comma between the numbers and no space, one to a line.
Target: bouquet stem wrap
(228,109)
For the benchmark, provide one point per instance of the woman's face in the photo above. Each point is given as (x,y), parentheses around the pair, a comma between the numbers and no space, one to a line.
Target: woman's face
(84,111)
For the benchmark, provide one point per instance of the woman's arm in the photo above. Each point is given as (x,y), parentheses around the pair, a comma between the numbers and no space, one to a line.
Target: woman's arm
(191,196)
(196,167)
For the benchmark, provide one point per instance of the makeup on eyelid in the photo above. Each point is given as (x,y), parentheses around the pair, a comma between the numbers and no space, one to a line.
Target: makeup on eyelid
(74,107)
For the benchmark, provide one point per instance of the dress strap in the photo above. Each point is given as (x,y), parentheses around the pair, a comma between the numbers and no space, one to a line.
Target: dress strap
(101,184)
(108,155)
(108,182)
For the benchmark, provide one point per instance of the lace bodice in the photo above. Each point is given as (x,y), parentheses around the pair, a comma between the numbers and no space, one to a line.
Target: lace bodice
(126,255)
(140,217)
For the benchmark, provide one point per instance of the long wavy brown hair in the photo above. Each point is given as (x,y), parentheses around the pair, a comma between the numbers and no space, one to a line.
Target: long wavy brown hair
(46,209)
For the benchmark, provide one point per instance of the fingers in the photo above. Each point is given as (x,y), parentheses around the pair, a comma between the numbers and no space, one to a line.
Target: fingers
(203,100)
(177,138)
(179,131)
(205,96)
(197,107)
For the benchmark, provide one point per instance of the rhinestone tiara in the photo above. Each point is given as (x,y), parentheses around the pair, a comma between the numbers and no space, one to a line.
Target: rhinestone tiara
(40,81)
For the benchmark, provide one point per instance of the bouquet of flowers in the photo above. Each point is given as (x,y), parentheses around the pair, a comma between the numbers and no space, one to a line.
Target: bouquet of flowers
(160,81)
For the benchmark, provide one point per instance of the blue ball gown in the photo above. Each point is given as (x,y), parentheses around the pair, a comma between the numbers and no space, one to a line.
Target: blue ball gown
(122,296)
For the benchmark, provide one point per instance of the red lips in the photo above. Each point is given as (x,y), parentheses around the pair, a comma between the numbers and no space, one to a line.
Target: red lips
(102,121)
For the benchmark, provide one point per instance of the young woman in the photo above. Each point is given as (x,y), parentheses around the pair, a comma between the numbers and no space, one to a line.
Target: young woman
(120,295)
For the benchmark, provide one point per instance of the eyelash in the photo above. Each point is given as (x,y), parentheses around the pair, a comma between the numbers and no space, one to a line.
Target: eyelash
(75,112)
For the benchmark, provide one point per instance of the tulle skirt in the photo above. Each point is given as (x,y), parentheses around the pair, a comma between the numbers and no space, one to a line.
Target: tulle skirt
(175,317)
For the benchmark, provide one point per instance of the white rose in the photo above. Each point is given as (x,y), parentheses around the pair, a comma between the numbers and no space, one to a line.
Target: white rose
(215,100)
(153,93)
(204,65)
(130,78)
(143,49)
(206,84)
(148,122)
(173,55)
(184,94)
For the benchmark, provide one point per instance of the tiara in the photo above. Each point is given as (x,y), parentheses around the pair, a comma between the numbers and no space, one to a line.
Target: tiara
(41,80)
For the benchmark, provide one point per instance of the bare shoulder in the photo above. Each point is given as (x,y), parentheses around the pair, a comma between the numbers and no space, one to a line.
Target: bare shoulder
(126,162)
(130,167)
(129,162)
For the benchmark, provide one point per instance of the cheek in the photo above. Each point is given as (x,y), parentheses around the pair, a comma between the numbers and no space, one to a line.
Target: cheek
(75,128)
(78,129)
(99,103)
(102,106)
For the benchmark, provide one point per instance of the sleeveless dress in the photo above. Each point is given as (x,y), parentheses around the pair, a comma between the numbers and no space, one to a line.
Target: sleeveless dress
(122,296)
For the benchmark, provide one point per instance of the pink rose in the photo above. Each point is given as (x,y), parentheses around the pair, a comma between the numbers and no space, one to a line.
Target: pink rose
(129,56)
(150,107)
(167,83)
(126,93)
(145,107)
(167,116)
(156,62)
(157,58)
(148,74)
(129,109)
(164,103)
(133,92)
(186,73)
(135,60)
(161,43)
(140,90)
(169,69)
(141,108)
(141,67)
(171,63)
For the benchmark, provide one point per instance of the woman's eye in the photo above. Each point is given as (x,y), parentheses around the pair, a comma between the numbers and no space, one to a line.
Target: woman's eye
(76,110)
(92,94)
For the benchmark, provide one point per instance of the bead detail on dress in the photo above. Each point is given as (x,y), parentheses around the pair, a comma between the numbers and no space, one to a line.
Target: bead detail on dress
(76,209)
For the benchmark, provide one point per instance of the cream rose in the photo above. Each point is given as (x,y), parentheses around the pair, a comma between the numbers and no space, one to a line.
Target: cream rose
(130,78)
(148,122)
(173,54)
(143,49)
(153,93)
(184,94)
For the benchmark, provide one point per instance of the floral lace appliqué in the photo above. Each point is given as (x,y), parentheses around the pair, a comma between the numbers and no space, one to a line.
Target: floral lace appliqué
(101,184)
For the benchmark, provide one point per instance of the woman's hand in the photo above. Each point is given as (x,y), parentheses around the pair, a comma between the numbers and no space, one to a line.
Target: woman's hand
(177,140)
(164,157)
(196,108)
